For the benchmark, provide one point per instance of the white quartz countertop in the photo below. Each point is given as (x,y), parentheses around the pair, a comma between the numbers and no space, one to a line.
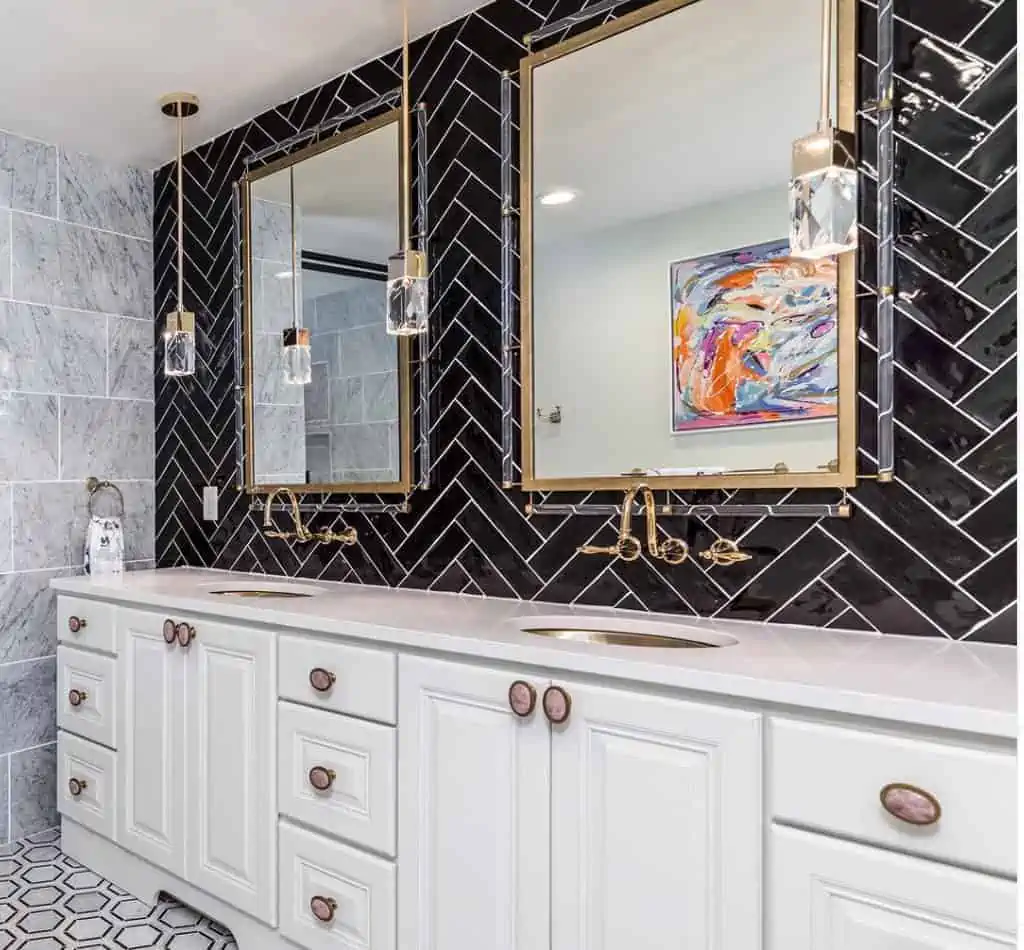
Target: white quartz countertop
(930,682)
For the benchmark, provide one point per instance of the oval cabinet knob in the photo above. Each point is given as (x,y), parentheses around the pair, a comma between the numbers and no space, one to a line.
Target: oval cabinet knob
(76,624)
(522,698)
(320,679)
(323,908)
(185,634)
(76,786)
(170,631)
(77,696)
(320,778)
(557,704)
(911,804)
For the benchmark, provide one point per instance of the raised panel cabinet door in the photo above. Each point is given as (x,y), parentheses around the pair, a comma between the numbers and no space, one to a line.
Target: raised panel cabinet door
(231,734)
(473,811)
(828,894)
(656,824)
(150,741)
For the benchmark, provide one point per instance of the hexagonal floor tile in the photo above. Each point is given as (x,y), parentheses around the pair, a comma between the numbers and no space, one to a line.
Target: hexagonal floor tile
(83,880)
(130,909)
(178,916)
(43,943)
(190,941)
(41,874)
(38,921)
(135,936)
(41,896)
(86,902)
(41,854)
(83,929)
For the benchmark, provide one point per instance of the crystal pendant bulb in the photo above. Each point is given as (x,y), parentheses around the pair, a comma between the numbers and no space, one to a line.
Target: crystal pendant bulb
(297,359)
(180,344)
(823,196)
(407,291)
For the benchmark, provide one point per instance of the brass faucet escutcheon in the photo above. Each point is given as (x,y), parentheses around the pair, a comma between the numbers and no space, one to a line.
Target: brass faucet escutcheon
(301,532)
(724,552)
(628,546)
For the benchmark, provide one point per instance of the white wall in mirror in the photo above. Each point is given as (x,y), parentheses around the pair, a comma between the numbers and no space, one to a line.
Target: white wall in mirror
(674,138)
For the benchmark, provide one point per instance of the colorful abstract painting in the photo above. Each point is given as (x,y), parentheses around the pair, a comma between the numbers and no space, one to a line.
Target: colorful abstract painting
(754,338)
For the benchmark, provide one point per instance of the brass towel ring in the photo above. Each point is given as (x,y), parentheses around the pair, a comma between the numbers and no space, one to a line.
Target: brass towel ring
(95,486)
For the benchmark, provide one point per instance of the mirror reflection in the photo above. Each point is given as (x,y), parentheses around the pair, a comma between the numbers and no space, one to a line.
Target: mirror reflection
(667,329)
(348,427)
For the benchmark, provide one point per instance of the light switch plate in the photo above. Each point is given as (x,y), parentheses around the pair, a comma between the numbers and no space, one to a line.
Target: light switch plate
(209,502)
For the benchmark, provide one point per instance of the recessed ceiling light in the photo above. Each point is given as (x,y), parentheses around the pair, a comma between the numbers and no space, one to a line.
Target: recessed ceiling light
(560,196)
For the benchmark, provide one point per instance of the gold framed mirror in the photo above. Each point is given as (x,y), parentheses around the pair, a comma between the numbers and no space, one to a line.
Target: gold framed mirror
(318,227)
(668,336)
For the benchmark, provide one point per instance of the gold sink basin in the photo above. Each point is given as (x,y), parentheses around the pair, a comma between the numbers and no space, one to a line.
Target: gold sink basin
(262,589)
(617,632)
(253,592)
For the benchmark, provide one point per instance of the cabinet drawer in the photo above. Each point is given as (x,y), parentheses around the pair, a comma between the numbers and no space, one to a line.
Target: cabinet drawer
(86,783)
(352,680)
(86,623)
(354,759)
(355,890)
(831,778)
(86,701)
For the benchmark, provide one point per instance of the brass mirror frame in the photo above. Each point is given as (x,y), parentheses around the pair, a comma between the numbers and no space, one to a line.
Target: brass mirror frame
(405,415)
(846,474)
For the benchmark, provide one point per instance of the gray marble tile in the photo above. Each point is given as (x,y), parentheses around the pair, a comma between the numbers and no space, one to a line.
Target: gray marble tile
(273,299)
(28,175)
(367,350)
(268,373)
(139,520)
(105,196)
(49,350)
(380,397)
(50,521)
(68,265)
(346,400)
(360,447)
(28,704)
(28,616)
(367,475)
(33,791)
(280,442)
(271,231)
(5,253)
(6,527)
(5,809)
(28,438)
(108,438)
(130,358)
(323,349)
(363,306)
(316,397)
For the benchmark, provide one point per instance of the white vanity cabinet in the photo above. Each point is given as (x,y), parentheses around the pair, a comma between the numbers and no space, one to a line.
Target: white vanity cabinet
(634,823)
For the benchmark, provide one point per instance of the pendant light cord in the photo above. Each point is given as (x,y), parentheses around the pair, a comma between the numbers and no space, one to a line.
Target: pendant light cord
(406,135)
(295,246)
(181,208)
(825,116)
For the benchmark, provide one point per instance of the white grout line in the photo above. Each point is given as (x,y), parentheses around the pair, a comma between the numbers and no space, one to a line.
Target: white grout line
(981,323)
(83,227)
(985,140)
(900,308)
(977,26)
(984,564)
(809,584)
(995,66)
(987,620)
(982,382)
(1006,240)
(948,44)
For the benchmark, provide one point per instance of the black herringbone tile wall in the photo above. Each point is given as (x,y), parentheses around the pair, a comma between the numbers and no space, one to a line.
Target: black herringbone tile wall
(931,554)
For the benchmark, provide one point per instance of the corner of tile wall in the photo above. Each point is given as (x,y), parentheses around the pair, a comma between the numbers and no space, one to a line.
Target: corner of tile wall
(76,328)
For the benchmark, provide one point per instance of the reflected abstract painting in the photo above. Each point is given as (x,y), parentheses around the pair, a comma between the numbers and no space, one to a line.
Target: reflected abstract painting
(754,338)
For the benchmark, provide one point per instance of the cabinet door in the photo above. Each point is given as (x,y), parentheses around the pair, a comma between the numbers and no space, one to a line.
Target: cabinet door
(827,894)
(231,737)
(150,741)
(656,824)
(473,818)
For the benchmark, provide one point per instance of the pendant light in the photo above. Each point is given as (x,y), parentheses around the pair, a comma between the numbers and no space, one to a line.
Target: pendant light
(407,297)
(297,358)
(180,326)
(823,190)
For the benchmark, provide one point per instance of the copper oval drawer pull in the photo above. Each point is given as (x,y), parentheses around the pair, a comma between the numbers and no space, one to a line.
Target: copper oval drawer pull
(911,804)
(522,698)
(76,624)
(76,786)
(557,704)
(321,680)
(77,696)
(185,634)
(320,778)
(323,908)
(170,631)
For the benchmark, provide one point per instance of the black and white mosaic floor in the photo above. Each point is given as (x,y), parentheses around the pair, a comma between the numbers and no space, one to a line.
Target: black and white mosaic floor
(49,901)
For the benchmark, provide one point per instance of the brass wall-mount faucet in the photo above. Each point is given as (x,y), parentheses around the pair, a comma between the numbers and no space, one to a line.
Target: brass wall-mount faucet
(628,547)
(301,532)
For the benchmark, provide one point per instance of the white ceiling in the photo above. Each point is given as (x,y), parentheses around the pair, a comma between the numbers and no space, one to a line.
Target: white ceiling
(88,74)
(709,105)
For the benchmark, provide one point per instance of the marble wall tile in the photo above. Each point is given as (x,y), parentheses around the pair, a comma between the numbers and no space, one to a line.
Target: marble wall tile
(72,266)
(360,447)
(317,395)
(273,298)
(363,306)
(268,373)
(346,400)
(380,397)
(6,528)
(105,196)
(4,800)
(5,253)
(28,704)
(47,350)
(109,438)
(28,616)
(139,522)
(280,445)
(28,437)
(33,791)
(367,350)
(271,230)
(28,175)
(130,358)
(50,521)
